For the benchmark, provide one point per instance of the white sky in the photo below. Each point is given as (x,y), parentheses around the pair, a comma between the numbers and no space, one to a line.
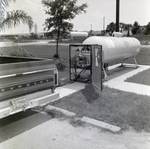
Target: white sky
(130,11)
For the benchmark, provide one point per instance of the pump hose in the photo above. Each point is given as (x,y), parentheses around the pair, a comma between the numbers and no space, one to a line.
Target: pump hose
(81,72)
(75,79)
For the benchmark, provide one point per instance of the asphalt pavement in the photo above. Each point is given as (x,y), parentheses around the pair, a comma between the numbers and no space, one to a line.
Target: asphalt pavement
(60,134)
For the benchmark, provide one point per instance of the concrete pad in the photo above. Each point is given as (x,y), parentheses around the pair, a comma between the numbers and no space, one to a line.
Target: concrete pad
(120,84)
(69,89)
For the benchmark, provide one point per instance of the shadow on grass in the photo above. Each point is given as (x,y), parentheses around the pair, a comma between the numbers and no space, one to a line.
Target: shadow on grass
(89,93)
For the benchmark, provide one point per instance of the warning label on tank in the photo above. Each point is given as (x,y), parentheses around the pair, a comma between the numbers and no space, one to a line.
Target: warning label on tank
(126,43)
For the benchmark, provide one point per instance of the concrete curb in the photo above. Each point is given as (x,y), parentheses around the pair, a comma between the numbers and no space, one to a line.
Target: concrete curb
(88,120)
(101,124)
(65,112)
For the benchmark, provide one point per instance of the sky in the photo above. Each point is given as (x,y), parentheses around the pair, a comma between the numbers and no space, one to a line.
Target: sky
(130,11)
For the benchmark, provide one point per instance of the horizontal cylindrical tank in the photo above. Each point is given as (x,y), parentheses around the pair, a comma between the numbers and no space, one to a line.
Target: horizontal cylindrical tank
(116,48)
(78,34)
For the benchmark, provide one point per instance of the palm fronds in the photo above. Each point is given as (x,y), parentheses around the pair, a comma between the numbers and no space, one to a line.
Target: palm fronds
(14,18)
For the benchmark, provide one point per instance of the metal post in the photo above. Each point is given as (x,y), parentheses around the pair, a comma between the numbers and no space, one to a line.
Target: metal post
(91,27)
(117,14)
(103,23)
(135,62)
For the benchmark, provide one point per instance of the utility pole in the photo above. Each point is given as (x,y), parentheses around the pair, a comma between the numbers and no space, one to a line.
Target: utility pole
(117,14)
(103,23)
(91,27)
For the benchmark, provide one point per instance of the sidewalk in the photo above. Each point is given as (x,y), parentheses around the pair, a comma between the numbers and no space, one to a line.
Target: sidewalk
(120,84)
(10,44)
(69,89)
(146,46)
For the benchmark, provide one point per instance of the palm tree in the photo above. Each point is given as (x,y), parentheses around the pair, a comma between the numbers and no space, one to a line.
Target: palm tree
(13,18)
(3,5)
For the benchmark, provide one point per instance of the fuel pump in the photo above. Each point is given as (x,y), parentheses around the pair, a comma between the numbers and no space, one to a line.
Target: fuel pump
(85,64)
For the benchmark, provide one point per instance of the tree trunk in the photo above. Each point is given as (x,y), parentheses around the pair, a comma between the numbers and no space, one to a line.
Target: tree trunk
(57,46)
(128,34)
(57,42)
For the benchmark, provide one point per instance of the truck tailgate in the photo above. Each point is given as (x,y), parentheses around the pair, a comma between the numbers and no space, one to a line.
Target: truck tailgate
(17,79)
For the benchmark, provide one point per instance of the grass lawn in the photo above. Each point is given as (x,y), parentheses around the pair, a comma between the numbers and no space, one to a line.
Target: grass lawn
(47,51)
(144,39)
(143,58)
(116,107)
(113,106)
(141,78)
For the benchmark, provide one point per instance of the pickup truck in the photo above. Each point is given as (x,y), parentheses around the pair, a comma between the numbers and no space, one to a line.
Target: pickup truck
(26,83)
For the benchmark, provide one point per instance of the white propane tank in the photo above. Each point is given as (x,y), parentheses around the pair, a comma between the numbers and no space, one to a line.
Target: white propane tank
(78,34)
(116,48)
